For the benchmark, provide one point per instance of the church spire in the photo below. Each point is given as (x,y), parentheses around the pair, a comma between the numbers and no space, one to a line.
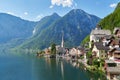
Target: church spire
(62,43)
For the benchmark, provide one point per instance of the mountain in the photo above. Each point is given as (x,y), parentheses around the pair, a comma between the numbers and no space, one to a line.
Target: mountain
(11,44)
(42,25)
(12,27)
(75,25)
(112,20)
(45,22)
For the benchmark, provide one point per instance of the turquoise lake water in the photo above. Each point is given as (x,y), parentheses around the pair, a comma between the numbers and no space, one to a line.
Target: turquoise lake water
(28,67)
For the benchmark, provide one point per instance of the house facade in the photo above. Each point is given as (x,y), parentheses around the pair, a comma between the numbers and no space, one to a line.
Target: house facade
(99,50)
(117,32)
(98,33)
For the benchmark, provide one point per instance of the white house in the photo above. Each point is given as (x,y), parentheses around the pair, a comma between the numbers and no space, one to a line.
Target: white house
(98,33)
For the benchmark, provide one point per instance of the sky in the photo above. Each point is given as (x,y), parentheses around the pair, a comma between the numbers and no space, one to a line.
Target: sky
(34,10)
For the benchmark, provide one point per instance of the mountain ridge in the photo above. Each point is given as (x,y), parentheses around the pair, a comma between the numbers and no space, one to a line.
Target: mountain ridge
(13,27)
(76,24)
(45,22)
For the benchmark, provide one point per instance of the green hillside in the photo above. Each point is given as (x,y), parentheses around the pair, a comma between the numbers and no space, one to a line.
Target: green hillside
(109,22)
(112,20)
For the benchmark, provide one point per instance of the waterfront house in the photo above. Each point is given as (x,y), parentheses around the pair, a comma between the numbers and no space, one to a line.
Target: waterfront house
(99,50)
(80,50)
(47,51)
(117,32)
(98,33)
(73,53)
(112,70)
(114,43)
(114,54)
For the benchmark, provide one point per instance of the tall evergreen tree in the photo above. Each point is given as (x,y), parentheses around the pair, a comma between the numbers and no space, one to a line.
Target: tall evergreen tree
(53,48)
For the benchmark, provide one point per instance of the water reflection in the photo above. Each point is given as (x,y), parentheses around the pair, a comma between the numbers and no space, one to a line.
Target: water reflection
(58,69)
(62,70)
(28,67)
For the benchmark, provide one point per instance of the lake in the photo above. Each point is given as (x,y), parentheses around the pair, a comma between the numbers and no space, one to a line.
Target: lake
(28,67)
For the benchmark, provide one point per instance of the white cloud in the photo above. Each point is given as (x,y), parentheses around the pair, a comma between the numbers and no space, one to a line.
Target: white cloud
(51,6)
(74,6)
(25,13)
(64,3)
(113,5)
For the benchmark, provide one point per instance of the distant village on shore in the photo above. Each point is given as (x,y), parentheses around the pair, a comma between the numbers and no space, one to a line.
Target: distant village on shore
(102,52)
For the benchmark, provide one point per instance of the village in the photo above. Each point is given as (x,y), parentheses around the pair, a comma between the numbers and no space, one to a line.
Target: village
(102,52)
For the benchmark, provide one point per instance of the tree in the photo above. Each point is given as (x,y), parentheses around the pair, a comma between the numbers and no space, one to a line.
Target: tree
(89,54)
(53,48)
(96,62)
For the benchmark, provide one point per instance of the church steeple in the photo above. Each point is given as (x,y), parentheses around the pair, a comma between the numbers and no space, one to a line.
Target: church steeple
(62,43)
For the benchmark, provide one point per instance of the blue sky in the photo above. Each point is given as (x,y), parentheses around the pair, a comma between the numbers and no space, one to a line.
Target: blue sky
(34,10)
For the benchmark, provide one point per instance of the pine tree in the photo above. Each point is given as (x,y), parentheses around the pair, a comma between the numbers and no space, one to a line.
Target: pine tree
(53,48)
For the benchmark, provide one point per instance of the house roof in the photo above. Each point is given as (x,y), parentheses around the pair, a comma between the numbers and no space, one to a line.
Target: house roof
(103,36)
(100,46)
(106,32)
(108,36)
(80,48)
(99,35)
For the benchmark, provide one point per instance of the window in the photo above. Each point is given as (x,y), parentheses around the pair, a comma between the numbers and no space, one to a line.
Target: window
(112,64)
